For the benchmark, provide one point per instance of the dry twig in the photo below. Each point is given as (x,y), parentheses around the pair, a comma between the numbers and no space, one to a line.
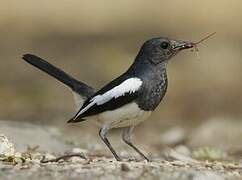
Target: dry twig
(64,157)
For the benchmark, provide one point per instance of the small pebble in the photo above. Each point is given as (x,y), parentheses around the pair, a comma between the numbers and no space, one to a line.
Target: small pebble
(125,167)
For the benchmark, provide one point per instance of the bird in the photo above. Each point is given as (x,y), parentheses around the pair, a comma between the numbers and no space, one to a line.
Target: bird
(127,100)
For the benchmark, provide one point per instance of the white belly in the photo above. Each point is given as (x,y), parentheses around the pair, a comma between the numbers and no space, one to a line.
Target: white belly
(128,115)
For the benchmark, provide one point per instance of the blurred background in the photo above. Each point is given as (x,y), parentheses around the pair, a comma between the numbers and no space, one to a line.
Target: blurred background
(95,41)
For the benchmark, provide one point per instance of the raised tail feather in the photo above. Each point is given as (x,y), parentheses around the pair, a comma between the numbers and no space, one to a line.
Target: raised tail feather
(79,88)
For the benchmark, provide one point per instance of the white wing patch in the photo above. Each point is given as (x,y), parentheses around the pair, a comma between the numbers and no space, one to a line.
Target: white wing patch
(128,86)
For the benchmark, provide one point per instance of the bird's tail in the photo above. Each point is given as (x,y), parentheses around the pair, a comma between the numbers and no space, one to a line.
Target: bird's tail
(79,88)
(74,120)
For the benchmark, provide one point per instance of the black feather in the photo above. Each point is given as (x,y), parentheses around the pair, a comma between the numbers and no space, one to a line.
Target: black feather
(77,86)
(112,104)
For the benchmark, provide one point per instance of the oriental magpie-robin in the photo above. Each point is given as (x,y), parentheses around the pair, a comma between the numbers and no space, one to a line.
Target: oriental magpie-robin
(127,100)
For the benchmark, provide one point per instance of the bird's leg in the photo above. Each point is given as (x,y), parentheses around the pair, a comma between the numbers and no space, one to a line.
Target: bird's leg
(103,134)
(126,136)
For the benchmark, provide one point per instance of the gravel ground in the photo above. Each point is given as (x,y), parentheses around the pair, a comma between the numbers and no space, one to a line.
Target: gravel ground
(106,168)
(21,159)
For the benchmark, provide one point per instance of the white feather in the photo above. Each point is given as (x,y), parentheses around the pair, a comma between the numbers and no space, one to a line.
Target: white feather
(125,116)
(128,86)
(78,99)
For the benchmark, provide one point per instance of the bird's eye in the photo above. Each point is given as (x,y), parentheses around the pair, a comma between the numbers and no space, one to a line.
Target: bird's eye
(164,45)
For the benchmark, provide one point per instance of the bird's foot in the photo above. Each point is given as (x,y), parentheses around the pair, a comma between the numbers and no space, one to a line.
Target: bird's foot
(118,158)
(147,159)
(138,160)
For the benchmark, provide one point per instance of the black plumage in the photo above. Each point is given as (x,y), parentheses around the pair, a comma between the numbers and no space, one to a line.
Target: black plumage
(77,86)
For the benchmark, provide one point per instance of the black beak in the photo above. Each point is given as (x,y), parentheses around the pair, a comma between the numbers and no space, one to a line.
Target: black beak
(180,45)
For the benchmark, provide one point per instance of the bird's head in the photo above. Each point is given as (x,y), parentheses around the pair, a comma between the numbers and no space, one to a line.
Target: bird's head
(158,50)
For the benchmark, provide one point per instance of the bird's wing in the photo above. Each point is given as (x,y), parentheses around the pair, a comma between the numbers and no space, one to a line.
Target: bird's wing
(80,90)
(114,95)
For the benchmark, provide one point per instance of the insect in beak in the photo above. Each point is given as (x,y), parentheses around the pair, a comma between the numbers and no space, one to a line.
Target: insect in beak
(180,45)
(203,39)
